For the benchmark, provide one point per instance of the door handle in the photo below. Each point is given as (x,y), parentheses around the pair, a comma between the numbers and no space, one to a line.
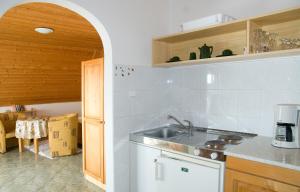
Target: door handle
(182,158)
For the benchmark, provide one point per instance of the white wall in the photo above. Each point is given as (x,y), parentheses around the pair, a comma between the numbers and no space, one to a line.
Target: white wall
(186,10)
(51,109)
(140,102)
(238,96)
(241,95)
(131,24)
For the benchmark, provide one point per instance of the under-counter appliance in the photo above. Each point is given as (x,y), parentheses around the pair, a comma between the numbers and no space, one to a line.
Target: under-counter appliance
(286,132)
(205,173)
(184,163)
(177,173)
(156,170)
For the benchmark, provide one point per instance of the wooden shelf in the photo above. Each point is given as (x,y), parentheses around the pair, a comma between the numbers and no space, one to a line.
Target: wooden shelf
(235,35)
(246,57)
(213,30)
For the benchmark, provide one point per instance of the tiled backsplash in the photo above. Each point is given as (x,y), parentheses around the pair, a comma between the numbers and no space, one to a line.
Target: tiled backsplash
(237,96)
(141,97)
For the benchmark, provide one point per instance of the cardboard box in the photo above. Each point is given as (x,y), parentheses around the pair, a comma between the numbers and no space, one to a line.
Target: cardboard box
(206,21)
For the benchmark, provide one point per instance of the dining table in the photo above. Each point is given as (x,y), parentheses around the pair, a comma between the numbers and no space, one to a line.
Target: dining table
(31,128)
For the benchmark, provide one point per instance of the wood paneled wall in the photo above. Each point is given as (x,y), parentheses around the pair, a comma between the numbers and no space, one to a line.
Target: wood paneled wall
(32,73)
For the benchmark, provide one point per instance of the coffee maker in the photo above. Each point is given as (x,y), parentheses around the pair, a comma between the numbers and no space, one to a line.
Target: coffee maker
(287,126)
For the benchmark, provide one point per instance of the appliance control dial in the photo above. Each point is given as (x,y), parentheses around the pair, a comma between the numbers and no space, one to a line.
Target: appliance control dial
(214,155)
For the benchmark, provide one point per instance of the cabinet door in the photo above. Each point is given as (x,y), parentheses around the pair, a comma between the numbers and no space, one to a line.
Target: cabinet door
(93,87)
(94,149)
(177,175)
(236,181)
(143,168)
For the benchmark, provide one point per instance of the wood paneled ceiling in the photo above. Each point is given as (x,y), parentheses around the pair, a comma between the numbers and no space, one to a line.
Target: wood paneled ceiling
(37,68)
(70,29)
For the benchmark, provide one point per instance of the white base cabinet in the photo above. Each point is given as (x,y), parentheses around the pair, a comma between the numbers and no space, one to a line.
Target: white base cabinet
(143,168)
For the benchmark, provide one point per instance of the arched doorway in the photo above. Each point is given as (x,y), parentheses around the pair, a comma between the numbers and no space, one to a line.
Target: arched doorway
(108,99)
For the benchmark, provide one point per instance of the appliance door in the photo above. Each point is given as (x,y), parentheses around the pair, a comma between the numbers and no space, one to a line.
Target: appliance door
(177,173)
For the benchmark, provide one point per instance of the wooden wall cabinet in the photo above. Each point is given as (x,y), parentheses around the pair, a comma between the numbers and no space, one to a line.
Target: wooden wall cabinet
(235,35)
(93,120)
(249,176)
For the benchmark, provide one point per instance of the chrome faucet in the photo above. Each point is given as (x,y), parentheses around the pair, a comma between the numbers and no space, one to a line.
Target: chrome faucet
(190,127)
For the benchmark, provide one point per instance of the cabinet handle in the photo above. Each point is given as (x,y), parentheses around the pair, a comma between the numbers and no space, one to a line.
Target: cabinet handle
(158,168)
(92,120)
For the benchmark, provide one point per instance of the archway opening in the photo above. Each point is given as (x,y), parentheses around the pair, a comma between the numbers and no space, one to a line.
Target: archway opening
(43,62)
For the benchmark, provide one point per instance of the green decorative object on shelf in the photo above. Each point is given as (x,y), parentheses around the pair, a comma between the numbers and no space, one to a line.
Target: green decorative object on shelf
(205,51)
(174,59)
(193,56)
(226,52)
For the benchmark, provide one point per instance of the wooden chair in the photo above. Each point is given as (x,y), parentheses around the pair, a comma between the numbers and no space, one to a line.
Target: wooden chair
(7,129)
(63,135)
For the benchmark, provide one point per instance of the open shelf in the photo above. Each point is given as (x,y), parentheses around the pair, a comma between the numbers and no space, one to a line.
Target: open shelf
(281,53)
(213,30)
(235,35)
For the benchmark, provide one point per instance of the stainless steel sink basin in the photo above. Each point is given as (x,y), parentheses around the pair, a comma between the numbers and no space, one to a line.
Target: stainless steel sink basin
(164,133)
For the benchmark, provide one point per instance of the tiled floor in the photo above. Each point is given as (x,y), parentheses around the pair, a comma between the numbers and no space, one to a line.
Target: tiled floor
(24,173)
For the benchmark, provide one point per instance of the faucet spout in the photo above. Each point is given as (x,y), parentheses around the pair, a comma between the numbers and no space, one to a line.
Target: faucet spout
(175,119)
(189,128)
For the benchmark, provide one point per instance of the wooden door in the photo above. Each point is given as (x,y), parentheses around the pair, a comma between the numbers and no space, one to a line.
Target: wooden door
(93,119)
(242,182)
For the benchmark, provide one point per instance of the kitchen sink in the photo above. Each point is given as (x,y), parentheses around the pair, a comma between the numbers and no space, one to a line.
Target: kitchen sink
(164,133)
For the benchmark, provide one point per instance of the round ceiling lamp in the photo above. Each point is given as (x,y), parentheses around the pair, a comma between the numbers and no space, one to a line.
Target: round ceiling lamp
(44,30)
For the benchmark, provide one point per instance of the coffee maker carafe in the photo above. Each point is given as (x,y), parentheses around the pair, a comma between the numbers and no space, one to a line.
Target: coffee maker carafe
(287,126)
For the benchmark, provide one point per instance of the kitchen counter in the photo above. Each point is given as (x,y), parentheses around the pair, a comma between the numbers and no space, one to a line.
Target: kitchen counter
(260,149)
(257,148)
(183,143)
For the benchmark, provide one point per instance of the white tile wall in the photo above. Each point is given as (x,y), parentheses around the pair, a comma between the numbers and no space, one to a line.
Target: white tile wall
(139,100)
(236,96)
(233,96)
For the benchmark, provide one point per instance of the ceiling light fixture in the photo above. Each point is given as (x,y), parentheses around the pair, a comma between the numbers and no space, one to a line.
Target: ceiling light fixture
(44,30)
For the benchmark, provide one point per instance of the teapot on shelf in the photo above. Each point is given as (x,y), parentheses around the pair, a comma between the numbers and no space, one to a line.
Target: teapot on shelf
(205,51)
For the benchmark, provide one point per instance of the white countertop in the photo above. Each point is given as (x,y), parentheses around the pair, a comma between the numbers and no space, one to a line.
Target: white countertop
(260,149)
